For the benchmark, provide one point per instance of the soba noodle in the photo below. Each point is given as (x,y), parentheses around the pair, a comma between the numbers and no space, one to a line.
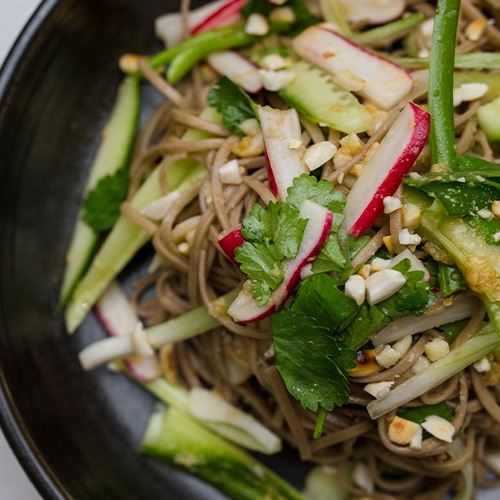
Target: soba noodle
(237,360)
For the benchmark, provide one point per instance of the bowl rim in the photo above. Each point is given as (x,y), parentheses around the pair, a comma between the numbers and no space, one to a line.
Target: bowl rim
(17,436)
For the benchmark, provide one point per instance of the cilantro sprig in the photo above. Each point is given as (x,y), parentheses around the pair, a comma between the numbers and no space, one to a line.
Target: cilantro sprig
(464,192)
(312,353)
(273,234)
(101,207)
(233,103)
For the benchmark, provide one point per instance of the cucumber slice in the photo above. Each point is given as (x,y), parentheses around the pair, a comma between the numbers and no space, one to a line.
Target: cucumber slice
(113,154)
(315,96)
(488,117)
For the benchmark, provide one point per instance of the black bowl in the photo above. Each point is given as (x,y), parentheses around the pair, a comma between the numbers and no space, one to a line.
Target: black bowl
(77,434)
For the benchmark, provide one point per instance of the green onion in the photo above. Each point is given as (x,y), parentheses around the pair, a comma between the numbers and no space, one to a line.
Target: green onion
(442,62)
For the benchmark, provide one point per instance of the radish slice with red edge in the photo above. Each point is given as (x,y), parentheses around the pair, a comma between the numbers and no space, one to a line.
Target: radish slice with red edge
(228,12)
(281,131)
(372,12)
(169,28)
(238,68)
(245,309)
(378,80)
(230,241)
(384,172)
(118,318)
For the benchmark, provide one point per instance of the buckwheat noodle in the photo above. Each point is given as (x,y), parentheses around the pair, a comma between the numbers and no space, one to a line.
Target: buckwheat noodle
(237,360)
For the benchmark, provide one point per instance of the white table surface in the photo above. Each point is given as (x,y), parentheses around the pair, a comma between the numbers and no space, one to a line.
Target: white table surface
(14,484)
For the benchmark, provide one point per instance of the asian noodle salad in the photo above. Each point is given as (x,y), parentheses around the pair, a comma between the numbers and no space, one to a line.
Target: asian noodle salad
(319,192)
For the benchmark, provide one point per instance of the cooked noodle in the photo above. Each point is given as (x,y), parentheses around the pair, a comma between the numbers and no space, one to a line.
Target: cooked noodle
(237,360)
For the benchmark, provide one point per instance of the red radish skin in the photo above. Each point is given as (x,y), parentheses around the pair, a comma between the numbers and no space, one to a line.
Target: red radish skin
(169,28)
(231,241)
(279,129)
(372,12)
(378,80)
(227,13)
(245,309)
(118,318)
(238,68)
(386,169)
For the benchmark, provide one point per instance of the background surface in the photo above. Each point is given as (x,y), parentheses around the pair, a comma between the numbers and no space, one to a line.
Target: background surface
(14,484)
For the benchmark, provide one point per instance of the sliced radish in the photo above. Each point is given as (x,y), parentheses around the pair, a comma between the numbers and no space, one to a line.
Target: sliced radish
(238,68)
(119,319)
(169,28)
(376,79)
(226,13)
(372,11)
(282,141)
(245,308)
(386,169)
(230,241)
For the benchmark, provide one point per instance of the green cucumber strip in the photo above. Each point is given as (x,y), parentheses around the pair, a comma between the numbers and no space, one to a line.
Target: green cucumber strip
(177,439)
(113,154)
(389,29)
(126,238)
(123,242)
(488,118)
(329,103)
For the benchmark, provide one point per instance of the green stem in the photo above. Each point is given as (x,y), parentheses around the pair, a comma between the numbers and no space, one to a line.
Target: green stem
(388,30)
(187,58)
(441,65)
(207,38)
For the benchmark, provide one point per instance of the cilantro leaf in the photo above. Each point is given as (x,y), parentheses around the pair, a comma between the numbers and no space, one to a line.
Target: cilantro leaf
(419,414)
(474,186)
(307,187)
(271,236)
(489,228)
(233,104)
(260,265)
(311,352)
(303,16)
(451,280)
(414,297)
(331,257)
(101,206)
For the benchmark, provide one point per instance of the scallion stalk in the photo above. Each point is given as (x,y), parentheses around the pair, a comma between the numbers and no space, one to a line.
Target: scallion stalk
(440,99)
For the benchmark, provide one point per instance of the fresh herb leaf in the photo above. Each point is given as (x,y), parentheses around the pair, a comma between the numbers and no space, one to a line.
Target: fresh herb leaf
(307,187)
(461,192)
(451,280)
(418,415)
(331,257)
(311,350)
(274,234)
(271,236)
(414,296)
(450,331)
(101,207)
(303,16)
(233,104)
(489,228)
